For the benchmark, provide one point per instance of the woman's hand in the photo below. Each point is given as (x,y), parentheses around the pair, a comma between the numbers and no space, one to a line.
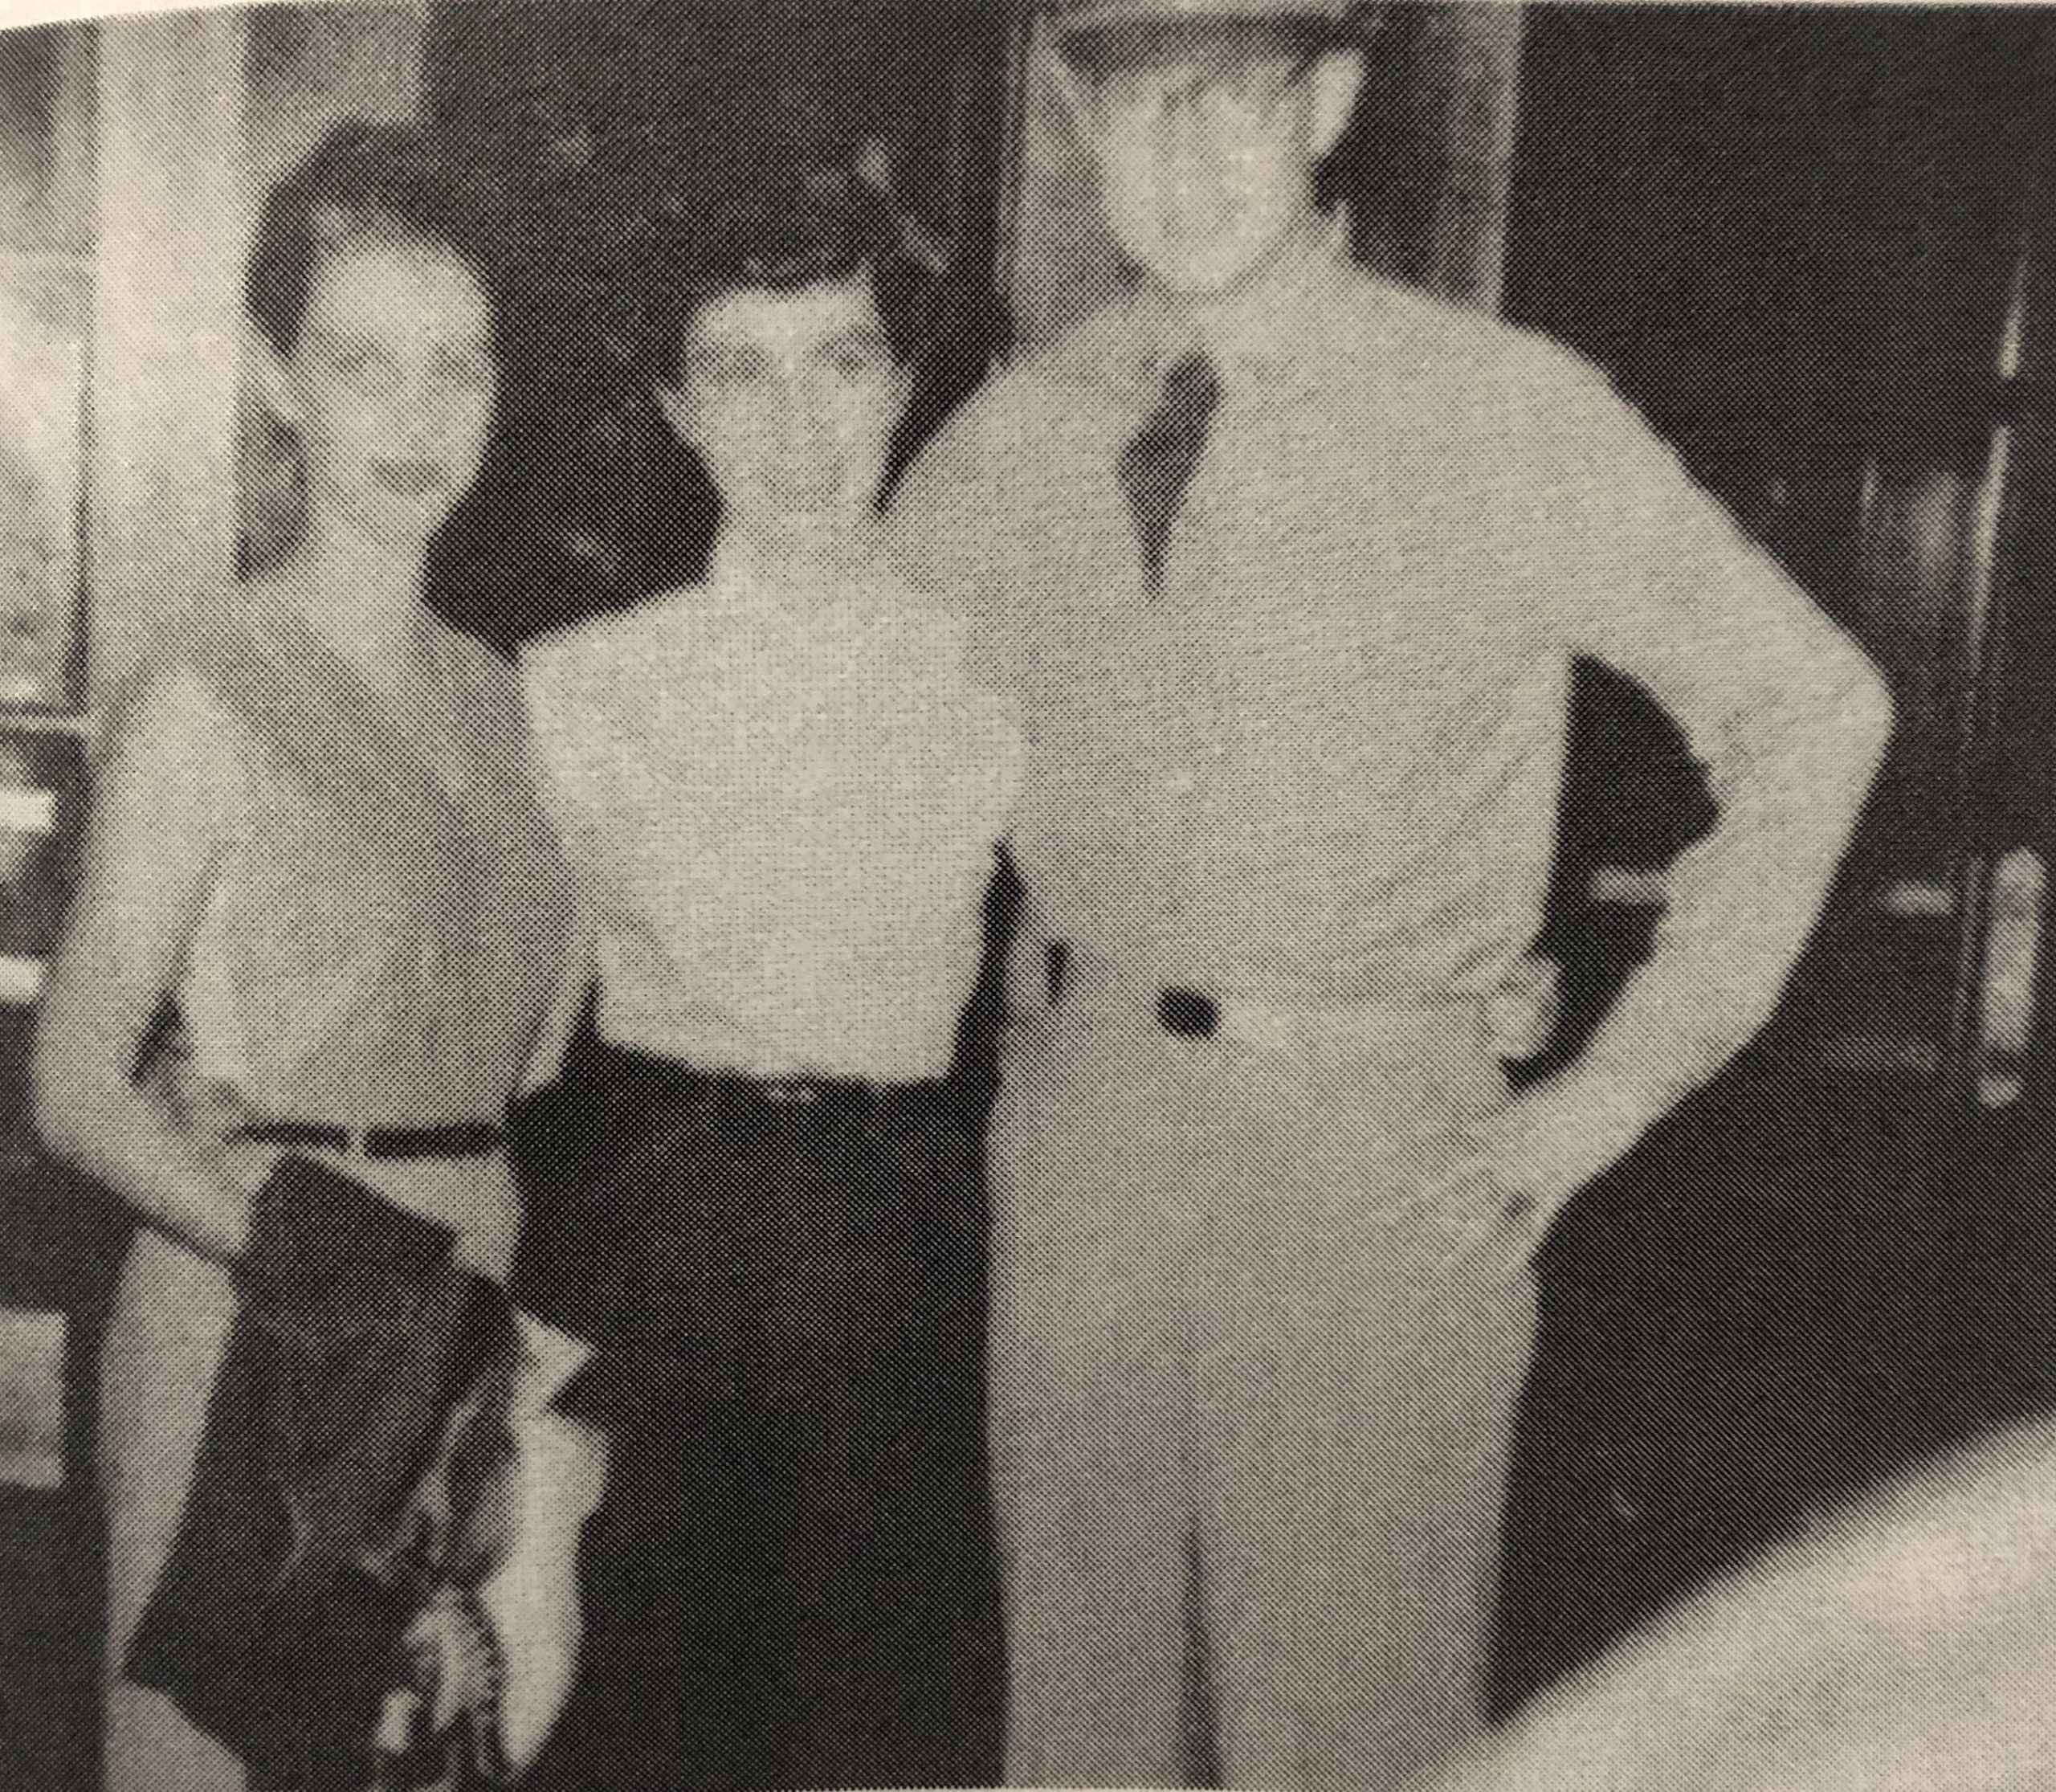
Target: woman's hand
(1566,1133)
(215,1117)
(1523,1012)
(165,801)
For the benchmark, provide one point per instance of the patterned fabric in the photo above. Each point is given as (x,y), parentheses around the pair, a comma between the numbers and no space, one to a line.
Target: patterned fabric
(439,1727)
(385,937)
(349,1499)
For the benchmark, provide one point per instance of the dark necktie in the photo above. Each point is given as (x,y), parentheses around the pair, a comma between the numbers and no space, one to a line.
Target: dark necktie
(1157,465)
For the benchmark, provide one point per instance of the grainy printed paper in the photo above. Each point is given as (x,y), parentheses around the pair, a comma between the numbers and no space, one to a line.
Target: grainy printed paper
(32,1399)
(1039,892)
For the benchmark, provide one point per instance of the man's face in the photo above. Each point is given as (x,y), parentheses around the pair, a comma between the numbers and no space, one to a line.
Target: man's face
(1207,135)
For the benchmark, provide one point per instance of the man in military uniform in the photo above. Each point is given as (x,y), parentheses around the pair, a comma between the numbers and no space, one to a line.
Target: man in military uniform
(1291,566)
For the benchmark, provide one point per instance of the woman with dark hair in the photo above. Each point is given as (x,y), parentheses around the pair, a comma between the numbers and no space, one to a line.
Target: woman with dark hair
(781,788)
(321,933)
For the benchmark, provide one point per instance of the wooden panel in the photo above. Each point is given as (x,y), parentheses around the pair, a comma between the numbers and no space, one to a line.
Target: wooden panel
(1057,260)
(1427,170)
(200,114)
(1476,87)
(309,67)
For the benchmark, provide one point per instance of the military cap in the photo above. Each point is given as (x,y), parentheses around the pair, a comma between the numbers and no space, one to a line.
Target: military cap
(1073,16)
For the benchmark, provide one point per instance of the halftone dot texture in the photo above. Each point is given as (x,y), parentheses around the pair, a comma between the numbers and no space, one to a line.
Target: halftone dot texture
(1158,462)
(1203,1346)
(384,937)
(1260,1318)
(1244,1382)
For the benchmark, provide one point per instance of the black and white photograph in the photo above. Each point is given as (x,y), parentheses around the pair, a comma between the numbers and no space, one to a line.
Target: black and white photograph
(1075,893)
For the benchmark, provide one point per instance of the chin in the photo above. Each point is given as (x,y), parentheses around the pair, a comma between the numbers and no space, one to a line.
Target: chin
(402,525)
(822,497)
(1192,277)
(808,500)
(1196,267)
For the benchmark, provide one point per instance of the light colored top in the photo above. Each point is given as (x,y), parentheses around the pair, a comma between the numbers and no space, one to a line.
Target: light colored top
(1324,764)
(379,947)
(782,791)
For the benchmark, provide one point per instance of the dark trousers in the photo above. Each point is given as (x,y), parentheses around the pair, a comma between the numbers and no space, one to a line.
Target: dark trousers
(792,1580)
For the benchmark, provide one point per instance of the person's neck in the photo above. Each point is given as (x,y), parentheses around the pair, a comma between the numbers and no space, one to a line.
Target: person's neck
(365,597)
(771,541)
(1218,313)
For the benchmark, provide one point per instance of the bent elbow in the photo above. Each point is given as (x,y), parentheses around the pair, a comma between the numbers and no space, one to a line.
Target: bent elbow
(1854,717)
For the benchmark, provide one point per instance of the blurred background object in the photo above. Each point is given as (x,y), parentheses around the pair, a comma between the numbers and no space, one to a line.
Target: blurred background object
(46,297)
(1901,1644)
(43,328)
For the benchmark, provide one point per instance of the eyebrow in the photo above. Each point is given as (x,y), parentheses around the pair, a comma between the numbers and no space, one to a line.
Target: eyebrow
(701,349)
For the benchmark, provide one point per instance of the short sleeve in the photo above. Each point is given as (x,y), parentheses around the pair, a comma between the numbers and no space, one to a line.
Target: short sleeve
(180,708)
(586,689)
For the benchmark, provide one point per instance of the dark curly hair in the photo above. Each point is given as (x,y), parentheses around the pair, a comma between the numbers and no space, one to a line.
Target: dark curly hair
(809,226)
(361,183)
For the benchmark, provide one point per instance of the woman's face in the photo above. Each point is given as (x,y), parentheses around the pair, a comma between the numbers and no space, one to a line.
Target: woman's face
(792,399)
(390,387)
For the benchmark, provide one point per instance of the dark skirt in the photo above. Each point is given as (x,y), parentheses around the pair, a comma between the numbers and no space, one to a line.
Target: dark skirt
(792,1582)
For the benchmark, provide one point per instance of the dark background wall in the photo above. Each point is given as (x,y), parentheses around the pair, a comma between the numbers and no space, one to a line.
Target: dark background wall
(604,127)
(1794,236)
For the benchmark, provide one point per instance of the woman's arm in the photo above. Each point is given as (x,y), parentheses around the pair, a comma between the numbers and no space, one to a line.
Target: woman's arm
(164,801)
(530,701)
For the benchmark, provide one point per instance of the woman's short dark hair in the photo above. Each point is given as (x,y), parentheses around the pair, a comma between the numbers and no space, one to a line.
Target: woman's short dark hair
(361,184)
(810,228)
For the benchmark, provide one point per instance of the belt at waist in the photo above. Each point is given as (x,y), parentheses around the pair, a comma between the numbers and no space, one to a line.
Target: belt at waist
(457,1139)
(1193,1009)
(675,1082)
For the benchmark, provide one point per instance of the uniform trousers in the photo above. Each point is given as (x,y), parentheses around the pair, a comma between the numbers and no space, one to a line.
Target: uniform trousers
(1260,1322)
